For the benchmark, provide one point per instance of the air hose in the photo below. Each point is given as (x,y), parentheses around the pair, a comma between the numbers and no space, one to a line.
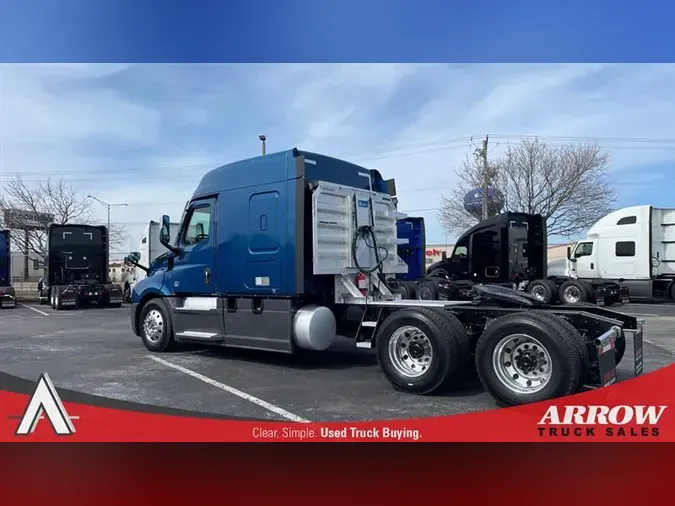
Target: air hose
(364,232)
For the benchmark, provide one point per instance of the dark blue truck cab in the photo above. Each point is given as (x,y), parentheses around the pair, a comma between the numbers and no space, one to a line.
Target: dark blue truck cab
(284,252)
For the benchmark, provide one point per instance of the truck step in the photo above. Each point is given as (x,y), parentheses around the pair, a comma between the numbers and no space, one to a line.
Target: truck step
(368,324)
(364,344)
(202,336)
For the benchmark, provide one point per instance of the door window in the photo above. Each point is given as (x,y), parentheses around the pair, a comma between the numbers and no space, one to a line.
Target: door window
(583,250)
(199,225)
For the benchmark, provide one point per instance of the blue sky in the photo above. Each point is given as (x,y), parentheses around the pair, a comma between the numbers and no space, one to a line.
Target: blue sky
(144,134)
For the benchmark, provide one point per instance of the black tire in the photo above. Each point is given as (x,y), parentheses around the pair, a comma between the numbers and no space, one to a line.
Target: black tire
(561,345)
(590,291)
(578,340)
(406,289)
(570,287)
(427,290)
(52,296)
(448,341)
(58,303)
(411,288)
(165,339)
(545,288)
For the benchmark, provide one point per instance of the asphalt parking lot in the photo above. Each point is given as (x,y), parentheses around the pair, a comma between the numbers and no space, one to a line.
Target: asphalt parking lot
(94,351)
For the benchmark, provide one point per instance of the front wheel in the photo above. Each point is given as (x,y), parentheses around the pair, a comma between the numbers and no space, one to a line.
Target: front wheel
(155,326)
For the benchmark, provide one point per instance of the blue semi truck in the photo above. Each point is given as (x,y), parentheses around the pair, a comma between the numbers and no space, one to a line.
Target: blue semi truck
(7,293)
(284,252)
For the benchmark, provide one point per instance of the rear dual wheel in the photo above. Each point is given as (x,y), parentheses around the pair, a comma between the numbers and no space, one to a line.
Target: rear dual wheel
(55,298)
(543,290)
(574,291)
(530,357)
(422,350)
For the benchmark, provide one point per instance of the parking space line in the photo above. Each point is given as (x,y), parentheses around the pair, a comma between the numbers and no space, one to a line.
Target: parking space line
(243,395)
(33,309)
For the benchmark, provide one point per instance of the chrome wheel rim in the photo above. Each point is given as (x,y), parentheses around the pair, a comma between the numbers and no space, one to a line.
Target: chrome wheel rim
(522,364)
(539,293)
(410,351)
(572,294)
(153,326)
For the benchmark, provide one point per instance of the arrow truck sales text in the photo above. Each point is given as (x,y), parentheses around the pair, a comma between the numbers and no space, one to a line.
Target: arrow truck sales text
(589,421)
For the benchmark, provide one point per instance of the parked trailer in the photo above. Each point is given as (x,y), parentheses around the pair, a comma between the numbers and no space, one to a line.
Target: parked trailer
(286,251)
(7,293)
(150,249)
(509,250)
(634,245)
(77,268)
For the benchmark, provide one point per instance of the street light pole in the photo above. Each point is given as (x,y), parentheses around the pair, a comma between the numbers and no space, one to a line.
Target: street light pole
(108,207)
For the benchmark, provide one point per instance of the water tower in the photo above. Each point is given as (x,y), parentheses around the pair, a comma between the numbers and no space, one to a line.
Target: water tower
(473,202)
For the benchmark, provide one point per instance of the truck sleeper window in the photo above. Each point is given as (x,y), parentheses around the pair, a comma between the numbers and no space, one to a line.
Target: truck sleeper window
(198,227)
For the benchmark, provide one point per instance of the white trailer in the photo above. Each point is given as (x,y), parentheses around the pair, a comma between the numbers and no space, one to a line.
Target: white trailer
(635,246)
(150,249)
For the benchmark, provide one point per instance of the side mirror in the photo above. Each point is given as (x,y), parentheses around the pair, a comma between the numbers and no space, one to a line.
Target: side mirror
(444,255)
(569,253)
(133,258)
(165,231)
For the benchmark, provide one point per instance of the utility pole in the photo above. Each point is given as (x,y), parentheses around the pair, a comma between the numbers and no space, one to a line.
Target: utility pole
(486,177)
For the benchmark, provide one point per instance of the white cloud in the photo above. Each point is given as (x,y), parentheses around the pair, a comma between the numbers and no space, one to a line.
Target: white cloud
(144,134)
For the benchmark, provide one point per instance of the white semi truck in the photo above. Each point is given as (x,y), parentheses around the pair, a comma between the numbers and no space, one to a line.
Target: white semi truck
(150,249)
(635,246)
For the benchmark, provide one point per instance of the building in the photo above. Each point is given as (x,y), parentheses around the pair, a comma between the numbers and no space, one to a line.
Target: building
(35,268)
(118,272)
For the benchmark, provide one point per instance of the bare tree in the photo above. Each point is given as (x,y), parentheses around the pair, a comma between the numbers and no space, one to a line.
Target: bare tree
(567,184)
(57,198)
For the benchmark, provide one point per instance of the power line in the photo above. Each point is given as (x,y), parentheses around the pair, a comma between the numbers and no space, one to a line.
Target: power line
(665,144)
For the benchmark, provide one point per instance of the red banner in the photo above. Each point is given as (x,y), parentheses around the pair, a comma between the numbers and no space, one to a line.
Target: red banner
(640,409)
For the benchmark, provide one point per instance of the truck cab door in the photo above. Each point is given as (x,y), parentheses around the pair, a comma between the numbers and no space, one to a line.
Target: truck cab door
(192,271)
(583,261)
(485,257)
(413,253)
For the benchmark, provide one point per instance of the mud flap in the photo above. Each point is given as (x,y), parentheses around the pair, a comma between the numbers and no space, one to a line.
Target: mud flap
(605,348)
(637,349)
